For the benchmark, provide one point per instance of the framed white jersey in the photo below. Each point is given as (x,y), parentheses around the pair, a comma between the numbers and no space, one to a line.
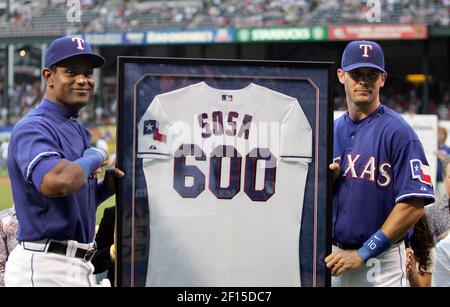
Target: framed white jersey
(225,186)
(226,179)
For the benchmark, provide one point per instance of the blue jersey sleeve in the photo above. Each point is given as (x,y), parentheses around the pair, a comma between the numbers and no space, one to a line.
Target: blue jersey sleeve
(412,174)
(36,151)
(42,168)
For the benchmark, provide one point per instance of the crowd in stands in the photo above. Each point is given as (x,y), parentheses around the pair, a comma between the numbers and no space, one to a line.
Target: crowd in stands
(22,97)
(51,17)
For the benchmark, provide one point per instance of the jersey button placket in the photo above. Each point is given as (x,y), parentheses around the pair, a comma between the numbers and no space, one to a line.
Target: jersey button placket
(352,135)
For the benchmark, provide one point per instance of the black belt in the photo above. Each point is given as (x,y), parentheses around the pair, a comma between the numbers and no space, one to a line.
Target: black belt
(346,246)
(60,248)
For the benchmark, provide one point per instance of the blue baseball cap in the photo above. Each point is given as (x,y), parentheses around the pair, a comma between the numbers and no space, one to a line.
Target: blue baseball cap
(71,46)
(359,54)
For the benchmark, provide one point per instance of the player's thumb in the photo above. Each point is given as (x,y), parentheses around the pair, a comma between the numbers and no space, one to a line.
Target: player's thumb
(335,168)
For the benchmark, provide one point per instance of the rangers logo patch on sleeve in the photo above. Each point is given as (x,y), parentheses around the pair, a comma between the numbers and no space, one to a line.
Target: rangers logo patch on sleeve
(420,171)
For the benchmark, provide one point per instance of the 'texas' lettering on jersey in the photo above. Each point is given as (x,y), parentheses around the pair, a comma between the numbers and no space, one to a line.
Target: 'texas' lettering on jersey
(367,169)
(214,124)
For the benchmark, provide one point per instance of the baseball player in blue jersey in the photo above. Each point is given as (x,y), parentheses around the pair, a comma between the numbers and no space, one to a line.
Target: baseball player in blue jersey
(382,178)
(53,175)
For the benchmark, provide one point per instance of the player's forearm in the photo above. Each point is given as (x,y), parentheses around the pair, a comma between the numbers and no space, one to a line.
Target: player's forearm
(64,179)
(404,216)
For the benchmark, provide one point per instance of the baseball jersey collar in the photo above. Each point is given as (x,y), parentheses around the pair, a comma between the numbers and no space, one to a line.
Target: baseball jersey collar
(377,113)
(53,107)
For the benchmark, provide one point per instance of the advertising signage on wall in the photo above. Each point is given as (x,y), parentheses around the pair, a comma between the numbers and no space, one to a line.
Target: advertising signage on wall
(380,31)
(161,37)
(315,33)
(190,36)
(254,35)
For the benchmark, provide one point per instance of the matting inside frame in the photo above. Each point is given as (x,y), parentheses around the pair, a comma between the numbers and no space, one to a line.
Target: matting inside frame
(141,79)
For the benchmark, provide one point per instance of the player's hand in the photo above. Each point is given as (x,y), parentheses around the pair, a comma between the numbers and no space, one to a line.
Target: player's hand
(410,263)
(411,269)
(341,261)
(335,168)
(112,252)
(112,249)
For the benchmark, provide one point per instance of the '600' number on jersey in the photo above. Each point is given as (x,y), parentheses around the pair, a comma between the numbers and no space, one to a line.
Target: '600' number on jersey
(181,171)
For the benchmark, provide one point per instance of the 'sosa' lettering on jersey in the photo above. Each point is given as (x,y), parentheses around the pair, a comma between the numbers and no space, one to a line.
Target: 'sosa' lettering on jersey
(226,190)
(216,121)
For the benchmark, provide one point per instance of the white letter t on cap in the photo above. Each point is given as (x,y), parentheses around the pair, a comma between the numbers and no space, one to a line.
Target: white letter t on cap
(80,42)
(366,47)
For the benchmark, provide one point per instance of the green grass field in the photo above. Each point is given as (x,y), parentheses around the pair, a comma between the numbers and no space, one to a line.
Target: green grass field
(7,201)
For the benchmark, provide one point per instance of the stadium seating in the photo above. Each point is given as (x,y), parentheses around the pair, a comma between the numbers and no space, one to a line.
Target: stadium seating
(32,18)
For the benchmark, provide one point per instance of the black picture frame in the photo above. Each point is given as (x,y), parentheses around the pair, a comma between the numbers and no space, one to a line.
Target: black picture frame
(142,78)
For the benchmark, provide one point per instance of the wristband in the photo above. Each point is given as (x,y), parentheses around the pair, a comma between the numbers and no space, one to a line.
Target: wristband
(93,151)
(91,160)
(374,246)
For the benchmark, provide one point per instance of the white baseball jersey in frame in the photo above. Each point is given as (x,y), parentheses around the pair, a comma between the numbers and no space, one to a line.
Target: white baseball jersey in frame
(225,173)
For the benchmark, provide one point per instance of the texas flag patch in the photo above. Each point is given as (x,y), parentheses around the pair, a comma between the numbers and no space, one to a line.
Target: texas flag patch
(151,127)
(420,171)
